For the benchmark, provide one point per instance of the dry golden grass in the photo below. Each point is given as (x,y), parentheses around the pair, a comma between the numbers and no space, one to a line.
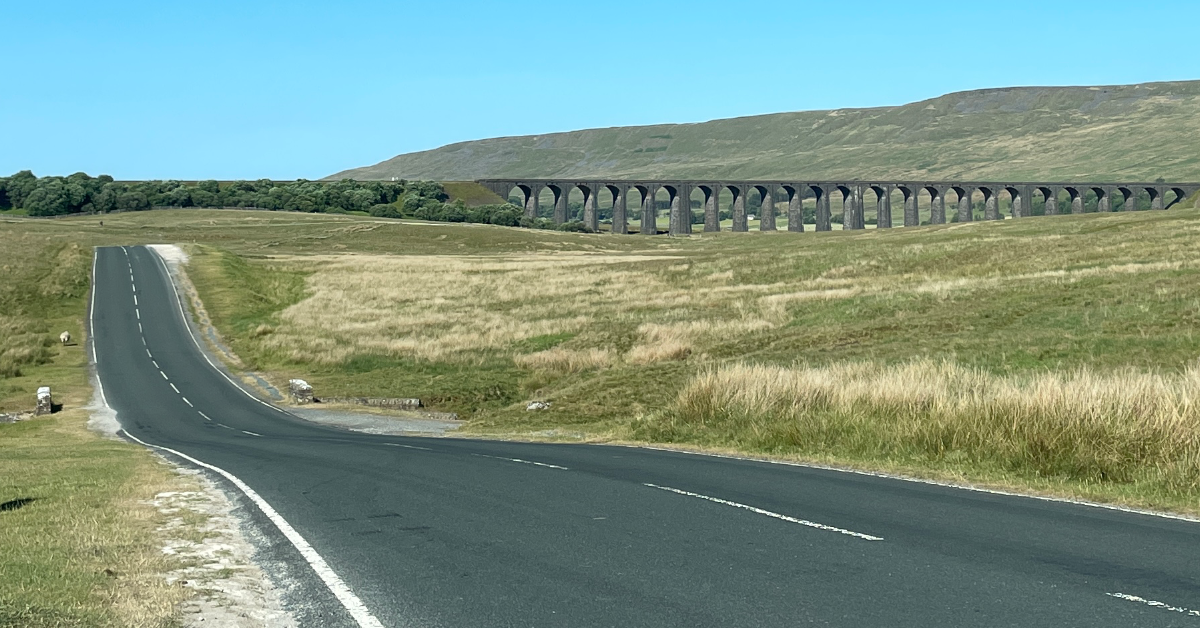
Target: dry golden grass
(562,360)
(448,307)
(1122,426)
(661,343)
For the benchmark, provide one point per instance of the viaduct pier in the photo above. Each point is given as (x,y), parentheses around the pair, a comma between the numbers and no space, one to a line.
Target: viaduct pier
(1058,197)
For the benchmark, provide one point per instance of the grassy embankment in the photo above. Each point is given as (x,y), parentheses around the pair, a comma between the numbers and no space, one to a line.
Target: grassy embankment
(1051,354)
(77,537)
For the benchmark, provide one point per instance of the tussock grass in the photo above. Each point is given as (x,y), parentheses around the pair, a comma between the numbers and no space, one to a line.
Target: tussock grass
(1124,426)
(562,360)
(662,343)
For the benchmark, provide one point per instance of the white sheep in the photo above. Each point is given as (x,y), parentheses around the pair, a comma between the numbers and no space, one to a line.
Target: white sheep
(65,337)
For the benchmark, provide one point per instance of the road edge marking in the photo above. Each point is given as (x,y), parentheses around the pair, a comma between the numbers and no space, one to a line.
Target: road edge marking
(803,522)
(333,582)
(353,605)
(185,318)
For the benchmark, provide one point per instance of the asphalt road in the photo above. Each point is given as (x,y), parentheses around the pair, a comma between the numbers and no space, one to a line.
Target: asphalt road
(457,532)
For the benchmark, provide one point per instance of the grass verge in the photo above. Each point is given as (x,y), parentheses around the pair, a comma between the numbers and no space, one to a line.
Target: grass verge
(77,533)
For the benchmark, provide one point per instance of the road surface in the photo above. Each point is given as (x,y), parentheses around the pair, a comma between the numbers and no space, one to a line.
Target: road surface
(396,531)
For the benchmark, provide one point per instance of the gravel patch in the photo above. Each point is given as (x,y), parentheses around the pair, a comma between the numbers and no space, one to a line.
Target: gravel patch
(369,423)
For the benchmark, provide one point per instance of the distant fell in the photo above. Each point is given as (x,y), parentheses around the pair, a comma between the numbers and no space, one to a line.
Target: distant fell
(1140,132)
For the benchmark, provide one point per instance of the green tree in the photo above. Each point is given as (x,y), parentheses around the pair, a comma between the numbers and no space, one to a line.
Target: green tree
(20,186)
(49,198)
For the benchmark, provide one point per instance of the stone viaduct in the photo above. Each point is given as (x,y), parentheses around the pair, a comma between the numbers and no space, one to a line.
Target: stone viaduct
(854,195)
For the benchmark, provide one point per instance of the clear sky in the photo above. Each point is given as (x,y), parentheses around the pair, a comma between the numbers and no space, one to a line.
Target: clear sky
(284,90)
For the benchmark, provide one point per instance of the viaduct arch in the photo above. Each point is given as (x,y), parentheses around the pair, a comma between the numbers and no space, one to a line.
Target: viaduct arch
(789,196)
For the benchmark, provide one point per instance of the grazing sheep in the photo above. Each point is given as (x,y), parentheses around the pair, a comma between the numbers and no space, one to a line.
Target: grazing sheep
(65,337)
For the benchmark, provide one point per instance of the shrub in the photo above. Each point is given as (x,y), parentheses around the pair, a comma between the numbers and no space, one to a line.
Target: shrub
(574,226)
(385,210)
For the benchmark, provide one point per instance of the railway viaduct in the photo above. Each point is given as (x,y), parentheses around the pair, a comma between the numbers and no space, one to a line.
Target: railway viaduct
(1059,197)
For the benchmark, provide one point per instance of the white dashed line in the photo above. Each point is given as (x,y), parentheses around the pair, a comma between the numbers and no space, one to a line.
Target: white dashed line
(250,433)
(143,341)
(134,286)
(138,312)
(175,389)
(408,446)
(164,375)
(803,522)
(185,400)
(916,480)
(150,355)
(540,464)
(153,361)
(1162,605)
(349,600)
(141,332)
(203,415)
(183,317)
(135,300)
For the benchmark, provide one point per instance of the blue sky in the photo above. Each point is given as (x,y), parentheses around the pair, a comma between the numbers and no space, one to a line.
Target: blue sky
(254,89)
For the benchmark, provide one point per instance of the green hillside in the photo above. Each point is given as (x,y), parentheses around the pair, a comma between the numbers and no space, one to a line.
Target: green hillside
(1121,132)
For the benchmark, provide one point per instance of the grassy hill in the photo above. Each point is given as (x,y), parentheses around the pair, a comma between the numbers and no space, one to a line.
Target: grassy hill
(1132,132)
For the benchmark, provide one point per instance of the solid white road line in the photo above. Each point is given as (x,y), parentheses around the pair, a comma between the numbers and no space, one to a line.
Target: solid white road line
(184,319)
(540,464)
(349,600)
(803,522)
(333,582)
(408,446)
(1162,605)
(92,309)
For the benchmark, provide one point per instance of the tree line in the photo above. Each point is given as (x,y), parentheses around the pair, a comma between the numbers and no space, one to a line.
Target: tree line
(83,194)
